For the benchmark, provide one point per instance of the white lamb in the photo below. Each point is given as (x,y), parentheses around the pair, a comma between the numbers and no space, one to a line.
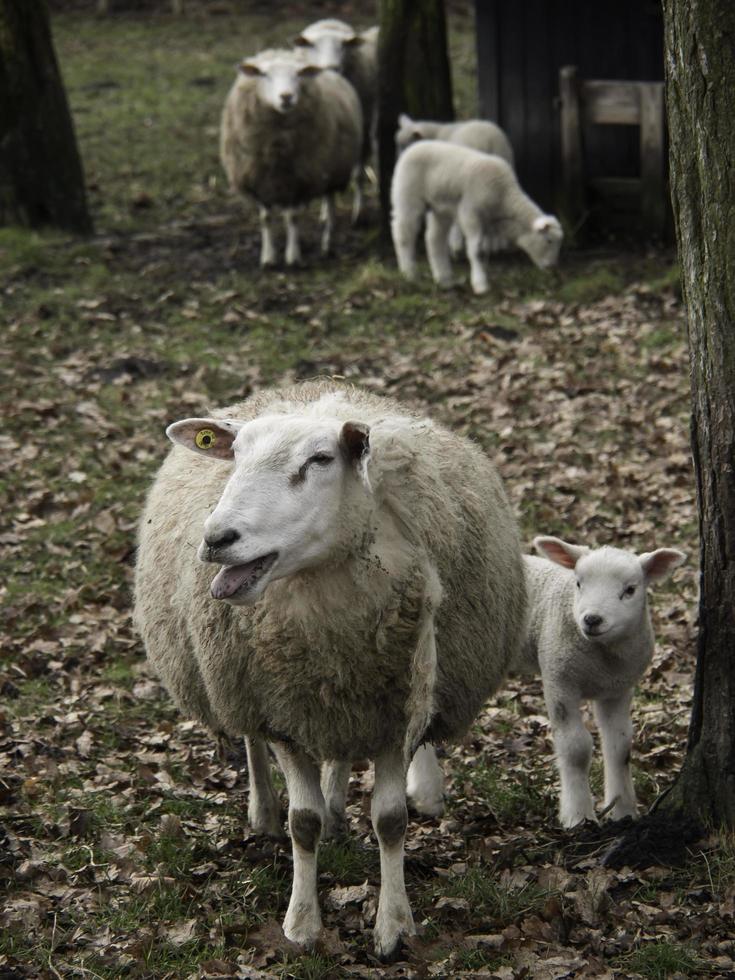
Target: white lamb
(332,43)
(291,132)
(443,183)
(590,634)
(370,596)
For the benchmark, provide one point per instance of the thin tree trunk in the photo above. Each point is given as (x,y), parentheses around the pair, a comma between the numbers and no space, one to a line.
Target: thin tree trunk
(700,74)
(41,178)
(414,76)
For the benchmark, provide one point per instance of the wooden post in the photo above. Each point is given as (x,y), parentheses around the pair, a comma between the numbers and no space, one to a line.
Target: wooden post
(653,201)
(571,144)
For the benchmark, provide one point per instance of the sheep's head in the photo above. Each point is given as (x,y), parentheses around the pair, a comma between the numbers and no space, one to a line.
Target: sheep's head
(279,76)
(543,241)
(610,595)
(280,511)
(408,132)
(327,42)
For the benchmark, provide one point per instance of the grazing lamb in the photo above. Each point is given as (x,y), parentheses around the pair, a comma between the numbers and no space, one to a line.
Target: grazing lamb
(290,133)
(590,634)
(370,596)
(334,44)
(444,182)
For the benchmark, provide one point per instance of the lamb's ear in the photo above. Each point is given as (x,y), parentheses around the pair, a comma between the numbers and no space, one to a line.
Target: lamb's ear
(209,437)
(302,42)
(249,69)
(559,551)
(658,564)
(354,441)
(354,42)
(309,71)
(404,120)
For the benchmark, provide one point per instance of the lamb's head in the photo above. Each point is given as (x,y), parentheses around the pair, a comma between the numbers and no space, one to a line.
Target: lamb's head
(542,243)
(279,76)
(327,42)
(282,509)
(409,131)
(610,596)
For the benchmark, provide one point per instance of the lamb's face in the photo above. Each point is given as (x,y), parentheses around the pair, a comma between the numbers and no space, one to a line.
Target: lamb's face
(610,594)
(279,78)
(408,132)
(279,512)
(543,242)
(327,43)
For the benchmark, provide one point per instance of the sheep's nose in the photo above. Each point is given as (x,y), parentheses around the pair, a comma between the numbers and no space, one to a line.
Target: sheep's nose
(591,620)
(286,100)
(221,539)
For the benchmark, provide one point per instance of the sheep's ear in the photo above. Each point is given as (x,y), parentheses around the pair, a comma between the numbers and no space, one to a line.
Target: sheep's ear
(209,437)
(309,71)
(249,69)
(658,564)
(354,42)
(559,551)
(302,42)
(354,440)
(404,120)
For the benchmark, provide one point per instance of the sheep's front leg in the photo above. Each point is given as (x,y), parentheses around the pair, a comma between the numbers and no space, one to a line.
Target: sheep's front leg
(305,822)
(390,819)
(405,229)
(425,782)
(573,749)
(335,783)
(456,241)
(293,248)
(358,192)
(616,733)
(327,219)
(264,805)
(472,231)
(267,248)
(437,248)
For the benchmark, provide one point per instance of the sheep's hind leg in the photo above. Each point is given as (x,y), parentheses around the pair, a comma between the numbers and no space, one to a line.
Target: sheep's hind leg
(456,241)
(293,248)
(472,231)
(405,229)
(303,921)
(437,248)
(425,782)
(390,819)
(264,805)
(335,782)
(616,733)
(358,193)
(327,219)
(267,248)
(573,750)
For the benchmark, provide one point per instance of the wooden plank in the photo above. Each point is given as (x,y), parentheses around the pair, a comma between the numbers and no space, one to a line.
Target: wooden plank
(571,144)
(611,102)
(653,199)
(617,187)
(488,61)
(513,101)
(541,87)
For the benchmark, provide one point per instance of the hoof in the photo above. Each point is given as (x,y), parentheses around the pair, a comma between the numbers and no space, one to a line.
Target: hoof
(390,931)
(427,808)
(302,925)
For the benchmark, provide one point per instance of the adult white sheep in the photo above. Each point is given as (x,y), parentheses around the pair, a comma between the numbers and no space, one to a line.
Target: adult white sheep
(291,132)
(332,43)
(443,183)
(589,633)
(371,596)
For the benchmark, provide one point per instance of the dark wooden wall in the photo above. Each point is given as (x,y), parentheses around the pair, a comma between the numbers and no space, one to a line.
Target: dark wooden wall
(521,44)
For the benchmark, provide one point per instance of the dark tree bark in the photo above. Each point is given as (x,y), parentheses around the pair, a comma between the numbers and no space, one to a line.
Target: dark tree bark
(41,178)
(700,75)
(414,76)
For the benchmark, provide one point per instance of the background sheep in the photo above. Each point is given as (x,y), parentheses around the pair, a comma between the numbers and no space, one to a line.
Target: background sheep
(334,44)
(590,635)
(443,182)
(385,560)
(290,132)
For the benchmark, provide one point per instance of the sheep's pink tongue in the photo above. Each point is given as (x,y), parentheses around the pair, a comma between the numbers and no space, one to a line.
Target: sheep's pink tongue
(229,579)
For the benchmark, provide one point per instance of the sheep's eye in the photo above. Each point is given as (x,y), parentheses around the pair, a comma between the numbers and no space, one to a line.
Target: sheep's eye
(629,591)
(578,584)
(321,458)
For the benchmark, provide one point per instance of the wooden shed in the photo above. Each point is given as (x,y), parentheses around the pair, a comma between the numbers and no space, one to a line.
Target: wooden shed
(523,44)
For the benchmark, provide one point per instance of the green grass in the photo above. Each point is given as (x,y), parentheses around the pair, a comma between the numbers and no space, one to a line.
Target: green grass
(661,960)
(490,900)
(507,800)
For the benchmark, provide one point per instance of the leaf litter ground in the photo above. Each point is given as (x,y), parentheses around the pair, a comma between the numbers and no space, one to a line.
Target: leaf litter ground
(125,848)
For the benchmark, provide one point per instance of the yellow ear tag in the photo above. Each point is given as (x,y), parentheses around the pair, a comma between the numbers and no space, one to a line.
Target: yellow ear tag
(205,438)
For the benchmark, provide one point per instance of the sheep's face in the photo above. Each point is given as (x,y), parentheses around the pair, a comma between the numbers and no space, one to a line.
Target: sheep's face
(327,42)
(279,79)
(280,511)
(610,585)
(408,132)
(543,241)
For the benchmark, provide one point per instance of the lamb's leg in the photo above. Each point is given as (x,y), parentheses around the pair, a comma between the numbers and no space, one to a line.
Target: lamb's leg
(425,782)
(472,231)
(264,805)
(267,248)
(293,248)
(303,921)
(358,185)
(437,248)
(390,818)
(456,241)
(335,782)
(573,749)
(405,228)
(616,733)
(327,217)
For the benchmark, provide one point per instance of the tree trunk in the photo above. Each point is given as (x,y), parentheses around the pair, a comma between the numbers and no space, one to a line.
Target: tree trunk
(41,178)
(414,76)
(700,70)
